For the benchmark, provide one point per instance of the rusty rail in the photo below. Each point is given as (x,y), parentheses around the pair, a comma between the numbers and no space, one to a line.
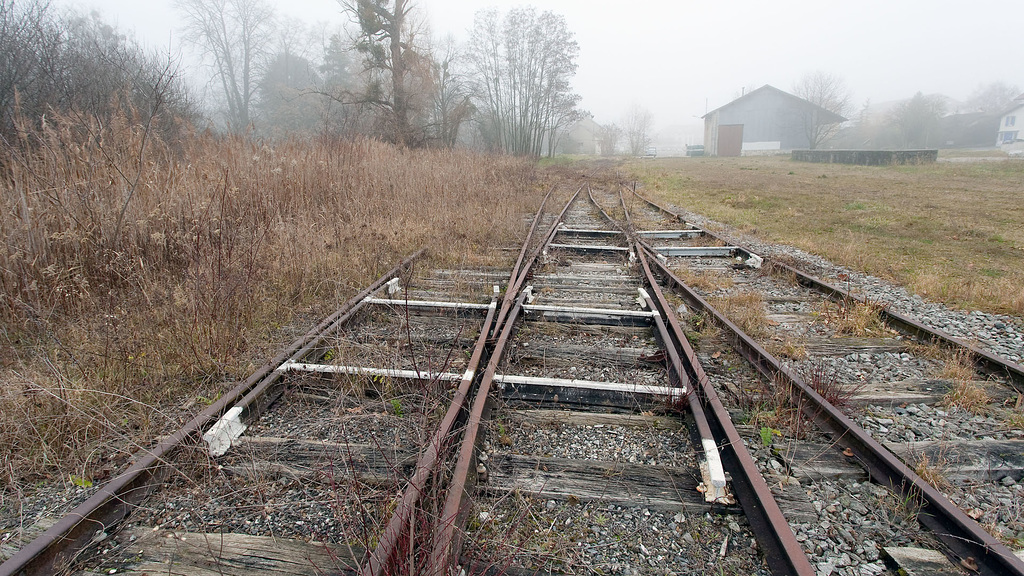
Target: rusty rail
(983,359)
(516,282)
(964,537)
(446,545)
(57,547)
(457,423)
(384,557)
(782,551)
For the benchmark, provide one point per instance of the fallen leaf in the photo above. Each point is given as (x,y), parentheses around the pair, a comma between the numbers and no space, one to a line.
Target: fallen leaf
(848,453)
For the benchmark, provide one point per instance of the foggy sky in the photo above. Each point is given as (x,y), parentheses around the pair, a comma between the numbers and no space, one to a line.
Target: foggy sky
(680,58)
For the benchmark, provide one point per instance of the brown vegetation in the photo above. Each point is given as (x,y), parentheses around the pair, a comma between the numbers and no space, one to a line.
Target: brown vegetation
(850,317)
(139,276)
(952,231)
(746,309)
(964,393)
(705,280)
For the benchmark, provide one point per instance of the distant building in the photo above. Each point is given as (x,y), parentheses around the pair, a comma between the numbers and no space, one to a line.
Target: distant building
(970,130)
(583,137)
(1010,124)
(765,120)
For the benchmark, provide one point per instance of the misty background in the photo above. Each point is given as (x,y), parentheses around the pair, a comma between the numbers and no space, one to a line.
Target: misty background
(680,59)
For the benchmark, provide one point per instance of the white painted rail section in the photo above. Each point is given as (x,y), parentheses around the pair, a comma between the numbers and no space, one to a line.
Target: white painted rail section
(427,304)
(586,232)
(367,371)
(615,312)
(670,234)
(585,248)
(713,251)
(666,391)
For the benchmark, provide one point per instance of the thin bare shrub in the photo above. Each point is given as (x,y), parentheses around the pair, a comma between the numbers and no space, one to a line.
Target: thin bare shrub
(824,379)
(221,242)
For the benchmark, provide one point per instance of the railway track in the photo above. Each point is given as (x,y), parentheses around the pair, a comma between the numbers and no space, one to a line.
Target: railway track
(890,375)
(438,424)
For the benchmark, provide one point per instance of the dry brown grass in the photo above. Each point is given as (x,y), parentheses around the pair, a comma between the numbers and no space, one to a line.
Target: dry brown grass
(706,280)
(111,334)
(964,393)
(788,349)
(952,231)
(746,309)
(854,318)
(932,472)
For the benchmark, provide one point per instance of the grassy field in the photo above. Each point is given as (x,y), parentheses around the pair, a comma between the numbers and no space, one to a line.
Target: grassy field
(950,231)
(140,277)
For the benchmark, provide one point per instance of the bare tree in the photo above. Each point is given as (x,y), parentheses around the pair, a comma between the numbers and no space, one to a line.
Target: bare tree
(992,98)
(830,93)
(918,119)
(80,65)
(564,113)
(451,99)
(609,139)
(235,37)
(391,58)
(638,123)
(29,43)
(340,114)
(522,67)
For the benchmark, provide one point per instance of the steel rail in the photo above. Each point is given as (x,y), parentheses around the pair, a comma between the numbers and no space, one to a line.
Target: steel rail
(784,554)
(446,546)
(522,252)
(781,548)
(384,557)
(715,479)
(708,442)
(963,536)
(983,359)
(54,549)
(516,281)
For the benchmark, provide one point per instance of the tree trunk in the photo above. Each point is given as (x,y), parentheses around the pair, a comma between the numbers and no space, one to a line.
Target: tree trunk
(398,70)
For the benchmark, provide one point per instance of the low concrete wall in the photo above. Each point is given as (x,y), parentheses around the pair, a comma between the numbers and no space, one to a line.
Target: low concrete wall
(867,157)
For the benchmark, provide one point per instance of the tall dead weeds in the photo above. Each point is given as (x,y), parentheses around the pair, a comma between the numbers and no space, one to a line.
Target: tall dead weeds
(223,240)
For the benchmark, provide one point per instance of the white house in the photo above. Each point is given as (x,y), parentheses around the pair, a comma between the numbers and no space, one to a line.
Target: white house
(1011,124)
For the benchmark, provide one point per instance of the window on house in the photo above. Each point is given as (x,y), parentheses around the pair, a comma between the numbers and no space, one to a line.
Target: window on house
(1011,121)
(1007,137)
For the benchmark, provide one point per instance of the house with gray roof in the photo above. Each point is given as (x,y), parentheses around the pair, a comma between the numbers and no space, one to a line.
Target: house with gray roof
(765,121)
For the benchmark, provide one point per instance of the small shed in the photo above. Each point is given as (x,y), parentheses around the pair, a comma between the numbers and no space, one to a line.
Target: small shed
(766,120)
